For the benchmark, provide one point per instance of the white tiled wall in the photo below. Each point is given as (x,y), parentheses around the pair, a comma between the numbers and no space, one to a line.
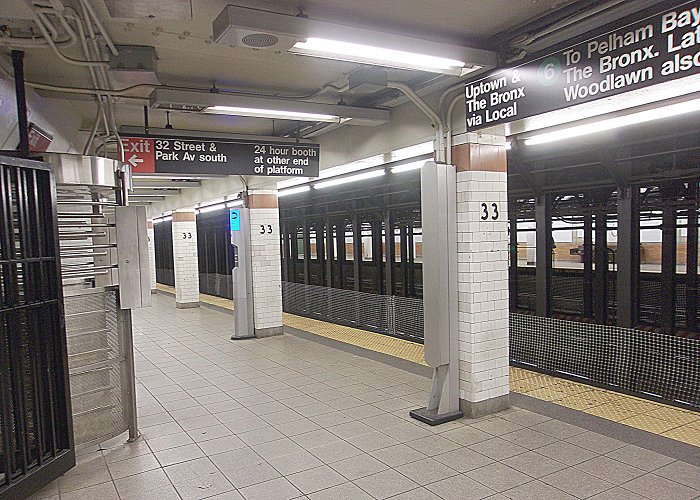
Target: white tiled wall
(152,255)
(185,261)
(482,251)
(267,268)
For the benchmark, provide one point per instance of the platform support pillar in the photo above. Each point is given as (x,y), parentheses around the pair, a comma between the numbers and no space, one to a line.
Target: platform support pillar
(185,259)
(152,253)
(266,261)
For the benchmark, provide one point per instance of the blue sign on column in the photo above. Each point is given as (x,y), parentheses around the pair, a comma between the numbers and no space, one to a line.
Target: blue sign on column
(234,218)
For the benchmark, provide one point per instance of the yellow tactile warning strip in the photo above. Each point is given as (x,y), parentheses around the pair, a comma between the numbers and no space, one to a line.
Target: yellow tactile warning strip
(669,421)
(398,348)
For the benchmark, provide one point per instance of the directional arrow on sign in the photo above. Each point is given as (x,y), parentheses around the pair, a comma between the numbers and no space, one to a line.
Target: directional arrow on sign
(134,160)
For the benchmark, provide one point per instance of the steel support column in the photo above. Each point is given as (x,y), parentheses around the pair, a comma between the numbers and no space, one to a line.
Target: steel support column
(600,275)
(357,251)
(321,252)
(544,244)
(627,256)
(403,236)
(285,251)
(668,260)
(294,253)
(329,252)
(513,255)
(691,276)
(390,252)
(588,263)
(340,242)
(307,252)
(377,256)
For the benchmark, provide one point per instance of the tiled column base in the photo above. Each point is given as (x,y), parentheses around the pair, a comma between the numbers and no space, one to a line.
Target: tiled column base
(482,228)
(185,259)
(266,262)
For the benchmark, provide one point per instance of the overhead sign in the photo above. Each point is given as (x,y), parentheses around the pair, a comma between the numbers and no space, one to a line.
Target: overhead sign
(177,155)
(657,49)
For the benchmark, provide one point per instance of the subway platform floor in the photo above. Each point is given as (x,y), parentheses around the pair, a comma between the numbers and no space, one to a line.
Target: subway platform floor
(291,417)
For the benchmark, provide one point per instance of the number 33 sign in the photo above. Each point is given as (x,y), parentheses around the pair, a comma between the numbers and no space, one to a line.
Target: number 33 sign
(489,211)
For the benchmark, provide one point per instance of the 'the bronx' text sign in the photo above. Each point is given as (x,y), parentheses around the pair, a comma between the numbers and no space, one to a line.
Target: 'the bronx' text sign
(176,155)
(657,49)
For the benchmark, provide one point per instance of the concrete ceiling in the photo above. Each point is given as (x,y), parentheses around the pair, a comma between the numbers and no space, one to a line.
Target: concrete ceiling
(188,57)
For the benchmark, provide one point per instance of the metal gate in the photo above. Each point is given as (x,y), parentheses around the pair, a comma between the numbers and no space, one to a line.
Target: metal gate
(36,432)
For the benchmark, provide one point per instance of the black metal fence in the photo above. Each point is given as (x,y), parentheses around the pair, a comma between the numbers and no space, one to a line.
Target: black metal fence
(391,315)
(649,364)
(36,436)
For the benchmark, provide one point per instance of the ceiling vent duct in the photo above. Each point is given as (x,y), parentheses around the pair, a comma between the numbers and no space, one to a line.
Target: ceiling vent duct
(256,29)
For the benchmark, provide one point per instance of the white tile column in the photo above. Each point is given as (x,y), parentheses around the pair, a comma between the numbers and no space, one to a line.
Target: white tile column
(482,251)
(266,262)
(185,259)
(152,254)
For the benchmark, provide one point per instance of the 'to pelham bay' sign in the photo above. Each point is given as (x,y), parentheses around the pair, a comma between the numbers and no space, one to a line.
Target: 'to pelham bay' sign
(178,155)
(657,49)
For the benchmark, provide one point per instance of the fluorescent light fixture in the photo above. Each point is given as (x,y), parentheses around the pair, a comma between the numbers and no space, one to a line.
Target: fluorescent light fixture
(234,203)
(368,54)
(648,115)
(162,219)
(286,192)
(255,28)
(212,208)
(265,107)
(271,113)
(407,167)
(347,180)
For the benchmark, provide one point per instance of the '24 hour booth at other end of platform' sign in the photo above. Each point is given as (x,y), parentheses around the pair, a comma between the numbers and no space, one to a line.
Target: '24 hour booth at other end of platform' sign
(175,155)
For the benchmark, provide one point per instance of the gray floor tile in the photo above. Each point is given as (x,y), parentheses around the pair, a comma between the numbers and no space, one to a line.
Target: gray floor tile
(529,438)
(397,455)
(566,453)
(497,426)
(358,466)
(640,457)
(103,491)
(197,479)
(533,464)
(657,487)
(174,456)
(208,433)
(558,429)
(537,490)
(312,480)
(433,445)
(576,482)
(277,489)
(315,438)
(221,445)
(417,494)
(259,436)
(610,470)
(463,459)
(498,477)
(147,485)
(681,472)
(294,462)
(426,471)
(342,491)
(466,435)
(386,484)
(169,441)
(296,427)
(335,451)
(524,417)
(350,429)
(132,466)
(375,440)
(244,467)
(617,493)
(460,488)
(597,443)
(497,448)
